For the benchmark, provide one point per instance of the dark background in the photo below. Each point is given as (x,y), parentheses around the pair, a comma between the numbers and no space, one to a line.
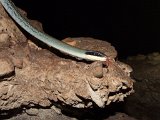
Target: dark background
(133,27)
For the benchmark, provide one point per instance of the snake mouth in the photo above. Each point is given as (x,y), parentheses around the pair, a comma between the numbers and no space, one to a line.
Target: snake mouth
(95,96)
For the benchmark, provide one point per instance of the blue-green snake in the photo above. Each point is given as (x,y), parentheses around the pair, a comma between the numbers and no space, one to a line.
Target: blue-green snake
(47,39)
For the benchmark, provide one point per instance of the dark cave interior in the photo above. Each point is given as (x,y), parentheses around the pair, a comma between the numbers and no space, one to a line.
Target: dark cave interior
(131,26)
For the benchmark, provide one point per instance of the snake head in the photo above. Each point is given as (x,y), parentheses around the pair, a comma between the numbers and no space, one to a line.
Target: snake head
(95,55)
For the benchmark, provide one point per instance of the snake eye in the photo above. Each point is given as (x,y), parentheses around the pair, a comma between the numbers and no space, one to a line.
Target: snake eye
(95,53)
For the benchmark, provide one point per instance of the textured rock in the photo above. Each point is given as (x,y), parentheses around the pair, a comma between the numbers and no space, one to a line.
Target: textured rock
(4,40)
(144,103)
(32,111)
(43,78)
(6,67)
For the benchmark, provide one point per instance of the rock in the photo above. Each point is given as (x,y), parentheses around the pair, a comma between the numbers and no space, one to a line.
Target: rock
(32,111)
(6,67)
(44,77)
(97,69)
(4,40)
(144,103)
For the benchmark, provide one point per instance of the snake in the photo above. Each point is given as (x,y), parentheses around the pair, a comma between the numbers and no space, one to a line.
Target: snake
(90,55)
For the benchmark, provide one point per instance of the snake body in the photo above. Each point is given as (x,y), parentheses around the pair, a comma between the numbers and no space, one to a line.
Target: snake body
(47,39)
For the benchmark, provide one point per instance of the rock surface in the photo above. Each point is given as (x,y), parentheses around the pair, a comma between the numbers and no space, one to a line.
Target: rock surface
(41,78)
(145,102)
